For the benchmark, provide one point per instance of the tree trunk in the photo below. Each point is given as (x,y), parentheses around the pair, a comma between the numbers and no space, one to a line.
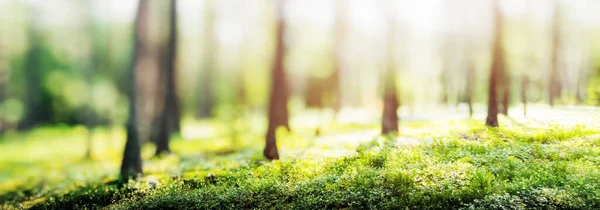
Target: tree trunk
(172,100)
(4,78)
(555,83)
(170,115)
(340,28)
(163,135)
(524,86)
(389,122)
(206,99)
(88,69)
(314,92)
(33,95)
(470,86)
(578,87)
(505,92)
(444,81)
(131,165)
(582,78)
(496,71)
(278,110)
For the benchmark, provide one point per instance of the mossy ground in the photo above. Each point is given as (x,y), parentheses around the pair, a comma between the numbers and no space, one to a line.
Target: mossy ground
(528,163)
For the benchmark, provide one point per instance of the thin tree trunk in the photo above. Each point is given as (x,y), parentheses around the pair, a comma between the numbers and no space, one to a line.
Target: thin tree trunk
(582,79)
(530,60)
(4,78)
(496,71)
(524,86)
(240,96)
(555,83)
(389,122)
(240,102)
(88,68)
(578,92)
(131,165)
(33,77)
(317,89)
(278,110)
(206,100)
(444,81)
(340,27)
(89,117)
(470,86)
(314,93)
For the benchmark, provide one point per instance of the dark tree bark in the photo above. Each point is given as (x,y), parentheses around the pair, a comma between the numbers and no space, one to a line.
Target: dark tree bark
(278,110)
(171,120)
(131,166)
(163,135)
(496,71)
(172,100)
(505,92)
(389,122)
(206,99)
(524,86)
(555,86)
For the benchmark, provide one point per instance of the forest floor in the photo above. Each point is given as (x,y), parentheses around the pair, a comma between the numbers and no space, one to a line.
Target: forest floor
(548,160)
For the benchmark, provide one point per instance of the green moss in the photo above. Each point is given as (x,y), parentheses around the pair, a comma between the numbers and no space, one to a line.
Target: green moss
(469,167)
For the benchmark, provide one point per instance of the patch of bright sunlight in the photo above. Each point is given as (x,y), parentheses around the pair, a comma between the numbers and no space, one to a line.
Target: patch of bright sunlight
(408,141)
(357,116)
(202,129)
(326,153)
(312,118)
(564,115)
(331,146)
(347,140)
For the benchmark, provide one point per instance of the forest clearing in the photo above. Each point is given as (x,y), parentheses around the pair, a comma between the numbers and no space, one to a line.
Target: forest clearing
(300,104)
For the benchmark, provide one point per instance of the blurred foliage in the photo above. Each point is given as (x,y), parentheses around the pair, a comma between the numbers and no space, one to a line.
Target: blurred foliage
(594,91)
(102,45)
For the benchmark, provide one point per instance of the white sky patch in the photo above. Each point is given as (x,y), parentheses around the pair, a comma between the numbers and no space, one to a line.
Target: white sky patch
(421,16)
(115,11)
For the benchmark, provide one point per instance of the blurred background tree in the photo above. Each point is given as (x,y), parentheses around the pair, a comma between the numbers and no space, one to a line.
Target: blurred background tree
(68,63)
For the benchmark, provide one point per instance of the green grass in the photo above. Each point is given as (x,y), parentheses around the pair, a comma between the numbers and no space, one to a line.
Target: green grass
(464,165)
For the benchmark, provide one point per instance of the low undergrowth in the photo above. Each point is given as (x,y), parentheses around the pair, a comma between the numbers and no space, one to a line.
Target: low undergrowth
(479,168)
